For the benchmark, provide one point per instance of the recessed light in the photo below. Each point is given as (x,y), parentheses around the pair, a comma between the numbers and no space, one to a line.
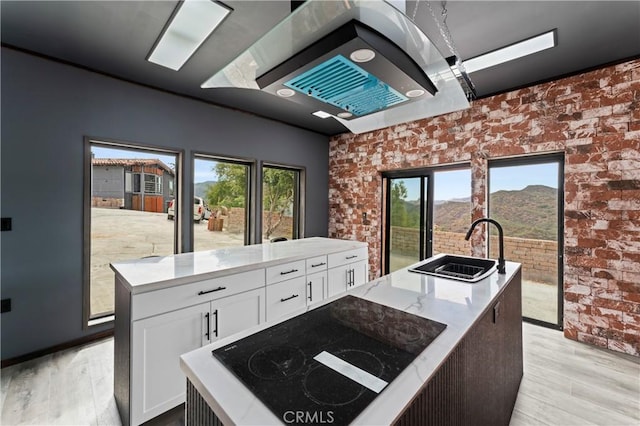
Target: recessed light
(322,114)
(414,93)
(362,55)
(344,114)
(285,93)
(190,26)
(509,53)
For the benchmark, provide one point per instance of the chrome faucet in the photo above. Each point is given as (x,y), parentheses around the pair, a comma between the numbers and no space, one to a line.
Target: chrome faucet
(501,268)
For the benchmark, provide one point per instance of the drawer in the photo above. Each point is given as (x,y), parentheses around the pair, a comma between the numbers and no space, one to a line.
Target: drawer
(286,297)
(160,301)
(316,264)
(285,271)
(346,257)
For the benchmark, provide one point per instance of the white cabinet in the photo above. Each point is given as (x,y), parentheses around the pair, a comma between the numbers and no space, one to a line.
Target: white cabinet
(285,271)
(157,383)
(315,264)
(316,287)
(285,297)
(346,277)
(347,257)
(183,312)
(236,313)
(160,301)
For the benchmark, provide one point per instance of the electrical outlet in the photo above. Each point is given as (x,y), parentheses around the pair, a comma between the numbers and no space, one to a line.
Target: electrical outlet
(5,224)
(5,305)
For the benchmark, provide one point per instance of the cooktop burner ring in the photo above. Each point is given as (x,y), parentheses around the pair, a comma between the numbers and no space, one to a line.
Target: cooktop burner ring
(276,362)
(410,332)
(346,390)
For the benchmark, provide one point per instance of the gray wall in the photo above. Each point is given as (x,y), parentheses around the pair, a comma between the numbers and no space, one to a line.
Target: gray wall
(47,109)
(108,182)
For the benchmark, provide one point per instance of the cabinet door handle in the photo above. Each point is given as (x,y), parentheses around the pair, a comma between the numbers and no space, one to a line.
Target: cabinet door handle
(215,329)
(207,334)
(310,291)
(200,293)
(288,272)
(318,264)
(351,257)
(293,296)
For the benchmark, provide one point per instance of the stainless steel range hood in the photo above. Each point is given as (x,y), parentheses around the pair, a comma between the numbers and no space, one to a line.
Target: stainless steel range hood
(305,57)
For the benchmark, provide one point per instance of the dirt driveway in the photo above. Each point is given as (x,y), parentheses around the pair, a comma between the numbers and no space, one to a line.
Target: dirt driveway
(127,234)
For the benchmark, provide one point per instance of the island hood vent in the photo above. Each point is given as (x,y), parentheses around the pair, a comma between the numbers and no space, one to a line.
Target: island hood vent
(323,77)
(363,63)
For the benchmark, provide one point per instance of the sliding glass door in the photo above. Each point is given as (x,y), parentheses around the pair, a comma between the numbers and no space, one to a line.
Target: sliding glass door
(525,196)
(428,212)
(405,231)
(451,211)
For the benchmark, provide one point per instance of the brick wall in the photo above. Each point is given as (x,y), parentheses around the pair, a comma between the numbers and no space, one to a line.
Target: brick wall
(594,118)
(450,242)
(234,222)
(538,257)
(405,240)
(109,203)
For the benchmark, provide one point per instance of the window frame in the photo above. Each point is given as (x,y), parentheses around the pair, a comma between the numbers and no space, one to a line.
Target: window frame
(299,197)
(529,160)
(87,321)
(250,209)
(426,206)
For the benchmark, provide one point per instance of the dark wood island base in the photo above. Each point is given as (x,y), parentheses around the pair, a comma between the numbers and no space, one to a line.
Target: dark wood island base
(478,382)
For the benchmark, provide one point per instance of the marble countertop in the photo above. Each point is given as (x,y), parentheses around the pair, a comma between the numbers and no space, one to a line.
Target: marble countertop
(154,273)
(457,304)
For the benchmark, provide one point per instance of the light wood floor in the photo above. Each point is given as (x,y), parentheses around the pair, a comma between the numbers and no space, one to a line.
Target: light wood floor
(565,383)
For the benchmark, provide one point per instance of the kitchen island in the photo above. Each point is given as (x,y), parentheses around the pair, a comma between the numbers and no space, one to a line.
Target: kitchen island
(170,305)
(469,374)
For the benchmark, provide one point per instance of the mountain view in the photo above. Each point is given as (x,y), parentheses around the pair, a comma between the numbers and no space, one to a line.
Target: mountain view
(200,188)
(525,213)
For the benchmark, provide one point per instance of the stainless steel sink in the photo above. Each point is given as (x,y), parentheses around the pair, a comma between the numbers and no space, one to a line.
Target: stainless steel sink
(461,268)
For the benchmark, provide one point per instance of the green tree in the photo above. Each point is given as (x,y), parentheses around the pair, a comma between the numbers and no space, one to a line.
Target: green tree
(404,213)
(231,188)
(278,190)
(398,204)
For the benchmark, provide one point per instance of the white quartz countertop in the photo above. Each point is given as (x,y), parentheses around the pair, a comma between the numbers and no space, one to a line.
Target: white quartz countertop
(457,304)
(154,273)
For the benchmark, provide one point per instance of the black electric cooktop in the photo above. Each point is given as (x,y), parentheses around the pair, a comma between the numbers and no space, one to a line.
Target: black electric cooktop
(293,366)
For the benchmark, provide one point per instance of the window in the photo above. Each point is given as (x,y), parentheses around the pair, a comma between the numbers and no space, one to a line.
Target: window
(451,211)
(525,197)
(152,184)
(125,214)
(428,211)
(281,202)
(221,205)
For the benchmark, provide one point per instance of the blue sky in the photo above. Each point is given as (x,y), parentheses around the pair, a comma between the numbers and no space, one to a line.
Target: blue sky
(457,183)
(448,184)
(203,168)
(101,152)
